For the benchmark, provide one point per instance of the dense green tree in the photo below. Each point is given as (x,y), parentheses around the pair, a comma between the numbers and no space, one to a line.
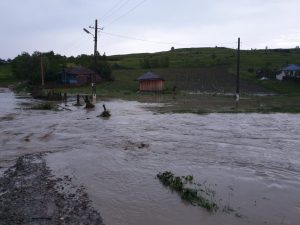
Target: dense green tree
(28,67)
(102,67)
(2,61)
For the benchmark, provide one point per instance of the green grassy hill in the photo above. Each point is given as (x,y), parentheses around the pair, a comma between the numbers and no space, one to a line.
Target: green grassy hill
(211,60)
(213,80)
(197,69)
(210,57)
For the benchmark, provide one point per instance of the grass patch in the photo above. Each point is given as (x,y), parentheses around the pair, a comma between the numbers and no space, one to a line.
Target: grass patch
(186,189)
(205,104)
(44,106)
(281,87)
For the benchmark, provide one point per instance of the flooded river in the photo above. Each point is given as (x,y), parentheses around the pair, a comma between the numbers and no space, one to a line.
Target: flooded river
(252,161)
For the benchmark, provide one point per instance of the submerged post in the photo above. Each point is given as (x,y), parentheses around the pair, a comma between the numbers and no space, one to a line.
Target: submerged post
(77,100)
(238,73)
(94,96)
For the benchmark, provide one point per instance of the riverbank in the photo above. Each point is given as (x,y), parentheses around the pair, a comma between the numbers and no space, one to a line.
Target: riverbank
(30,194)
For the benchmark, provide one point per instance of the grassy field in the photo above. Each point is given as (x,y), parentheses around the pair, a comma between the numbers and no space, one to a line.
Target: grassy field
(187,80)
(195,70)
(214,58)
(210,57)
(203,104)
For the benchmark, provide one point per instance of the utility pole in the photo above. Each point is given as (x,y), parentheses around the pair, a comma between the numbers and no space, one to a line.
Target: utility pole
(95,35)
(96,40)
(238,72)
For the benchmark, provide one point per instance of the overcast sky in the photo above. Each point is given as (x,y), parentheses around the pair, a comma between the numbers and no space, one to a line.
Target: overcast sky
(132,26)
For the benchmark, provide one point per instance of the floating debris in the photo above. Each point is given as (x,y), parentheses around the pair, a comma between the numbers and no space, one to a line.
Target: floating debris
(77,100)
(88,104)
(130,145)
(105,113)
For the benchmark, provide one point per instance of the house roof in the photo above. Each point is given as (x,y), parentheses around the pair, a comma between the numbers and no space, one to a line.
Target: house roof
(149,76)
(79,70)
(291,67)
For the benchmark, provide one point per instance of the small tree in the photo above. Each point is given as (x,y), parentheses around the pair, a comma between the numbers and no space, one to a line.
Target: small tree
(28,67)
(103,68)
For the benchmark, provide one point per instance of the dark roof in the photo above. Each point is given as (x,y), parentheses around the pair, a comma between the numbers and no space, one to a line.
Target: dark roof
(291,67)
(150,76)
(79,70)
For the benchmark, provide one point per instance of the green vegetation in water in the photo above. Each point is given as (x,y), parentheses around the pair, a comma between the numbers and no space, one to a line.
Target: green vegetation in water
(182,185)
(105,114)
(44,106)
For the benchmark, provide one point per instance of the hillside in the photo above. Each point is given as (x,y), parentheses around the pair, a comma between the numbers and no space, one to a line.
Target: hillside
(213,80)
(209,57)
(192,69)
(182,63)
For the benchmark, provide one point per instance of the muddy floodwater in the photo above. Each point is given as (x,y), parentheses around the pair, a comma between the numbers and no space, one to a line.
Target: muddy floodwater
(251,161)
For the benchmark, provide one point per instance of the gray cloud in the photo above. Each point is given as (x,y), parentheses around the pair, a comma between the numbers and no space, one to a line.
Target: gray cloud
(57,24)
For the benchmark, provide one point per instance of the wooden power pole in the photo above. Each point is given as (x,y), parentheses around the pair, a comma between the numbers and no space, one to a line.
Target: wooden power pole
(96,41)
(238,72)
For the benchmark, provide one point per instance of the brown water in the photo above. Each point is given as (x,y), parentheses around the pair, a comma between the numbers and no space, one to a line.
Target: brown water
(252,161)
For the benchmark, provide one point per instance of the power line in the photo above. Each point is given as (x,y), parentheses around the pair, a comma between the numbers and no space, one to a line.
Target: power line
(166,43)
(74,44)
(125,14)
(117,9)
(112,8)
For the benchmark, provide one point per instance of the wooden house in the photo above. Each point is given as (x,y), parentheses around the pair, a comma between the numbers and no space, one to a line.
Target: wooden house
(79,76)
(151,82)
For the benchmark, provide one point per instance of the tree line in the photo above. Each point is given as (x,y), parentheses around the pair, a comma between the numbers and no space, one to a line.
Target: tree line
(28,66)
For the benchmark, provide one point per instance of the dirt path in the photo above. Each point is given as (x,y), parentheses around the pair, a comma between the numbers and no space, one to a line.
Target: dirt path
(30,195)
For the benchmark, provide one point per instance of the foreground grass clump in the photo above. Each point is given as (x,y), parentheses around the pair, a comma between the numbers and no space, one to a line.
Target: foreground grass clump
(183,186)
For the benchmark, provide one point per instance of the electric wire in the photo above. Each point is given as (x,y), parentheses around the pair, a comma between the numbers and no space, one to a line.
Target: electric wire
(125,14)
(166,43)
(111,9)
(72,45)
(116,10)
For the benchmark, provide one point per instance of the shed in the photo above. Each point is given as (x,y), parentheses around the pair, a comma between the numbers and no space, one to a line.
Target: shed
(151,82)
(78,76)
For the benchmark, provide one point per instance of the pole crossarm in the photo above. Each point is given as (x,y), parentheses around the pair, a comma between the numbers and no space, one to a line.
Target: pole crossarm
(99,28)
